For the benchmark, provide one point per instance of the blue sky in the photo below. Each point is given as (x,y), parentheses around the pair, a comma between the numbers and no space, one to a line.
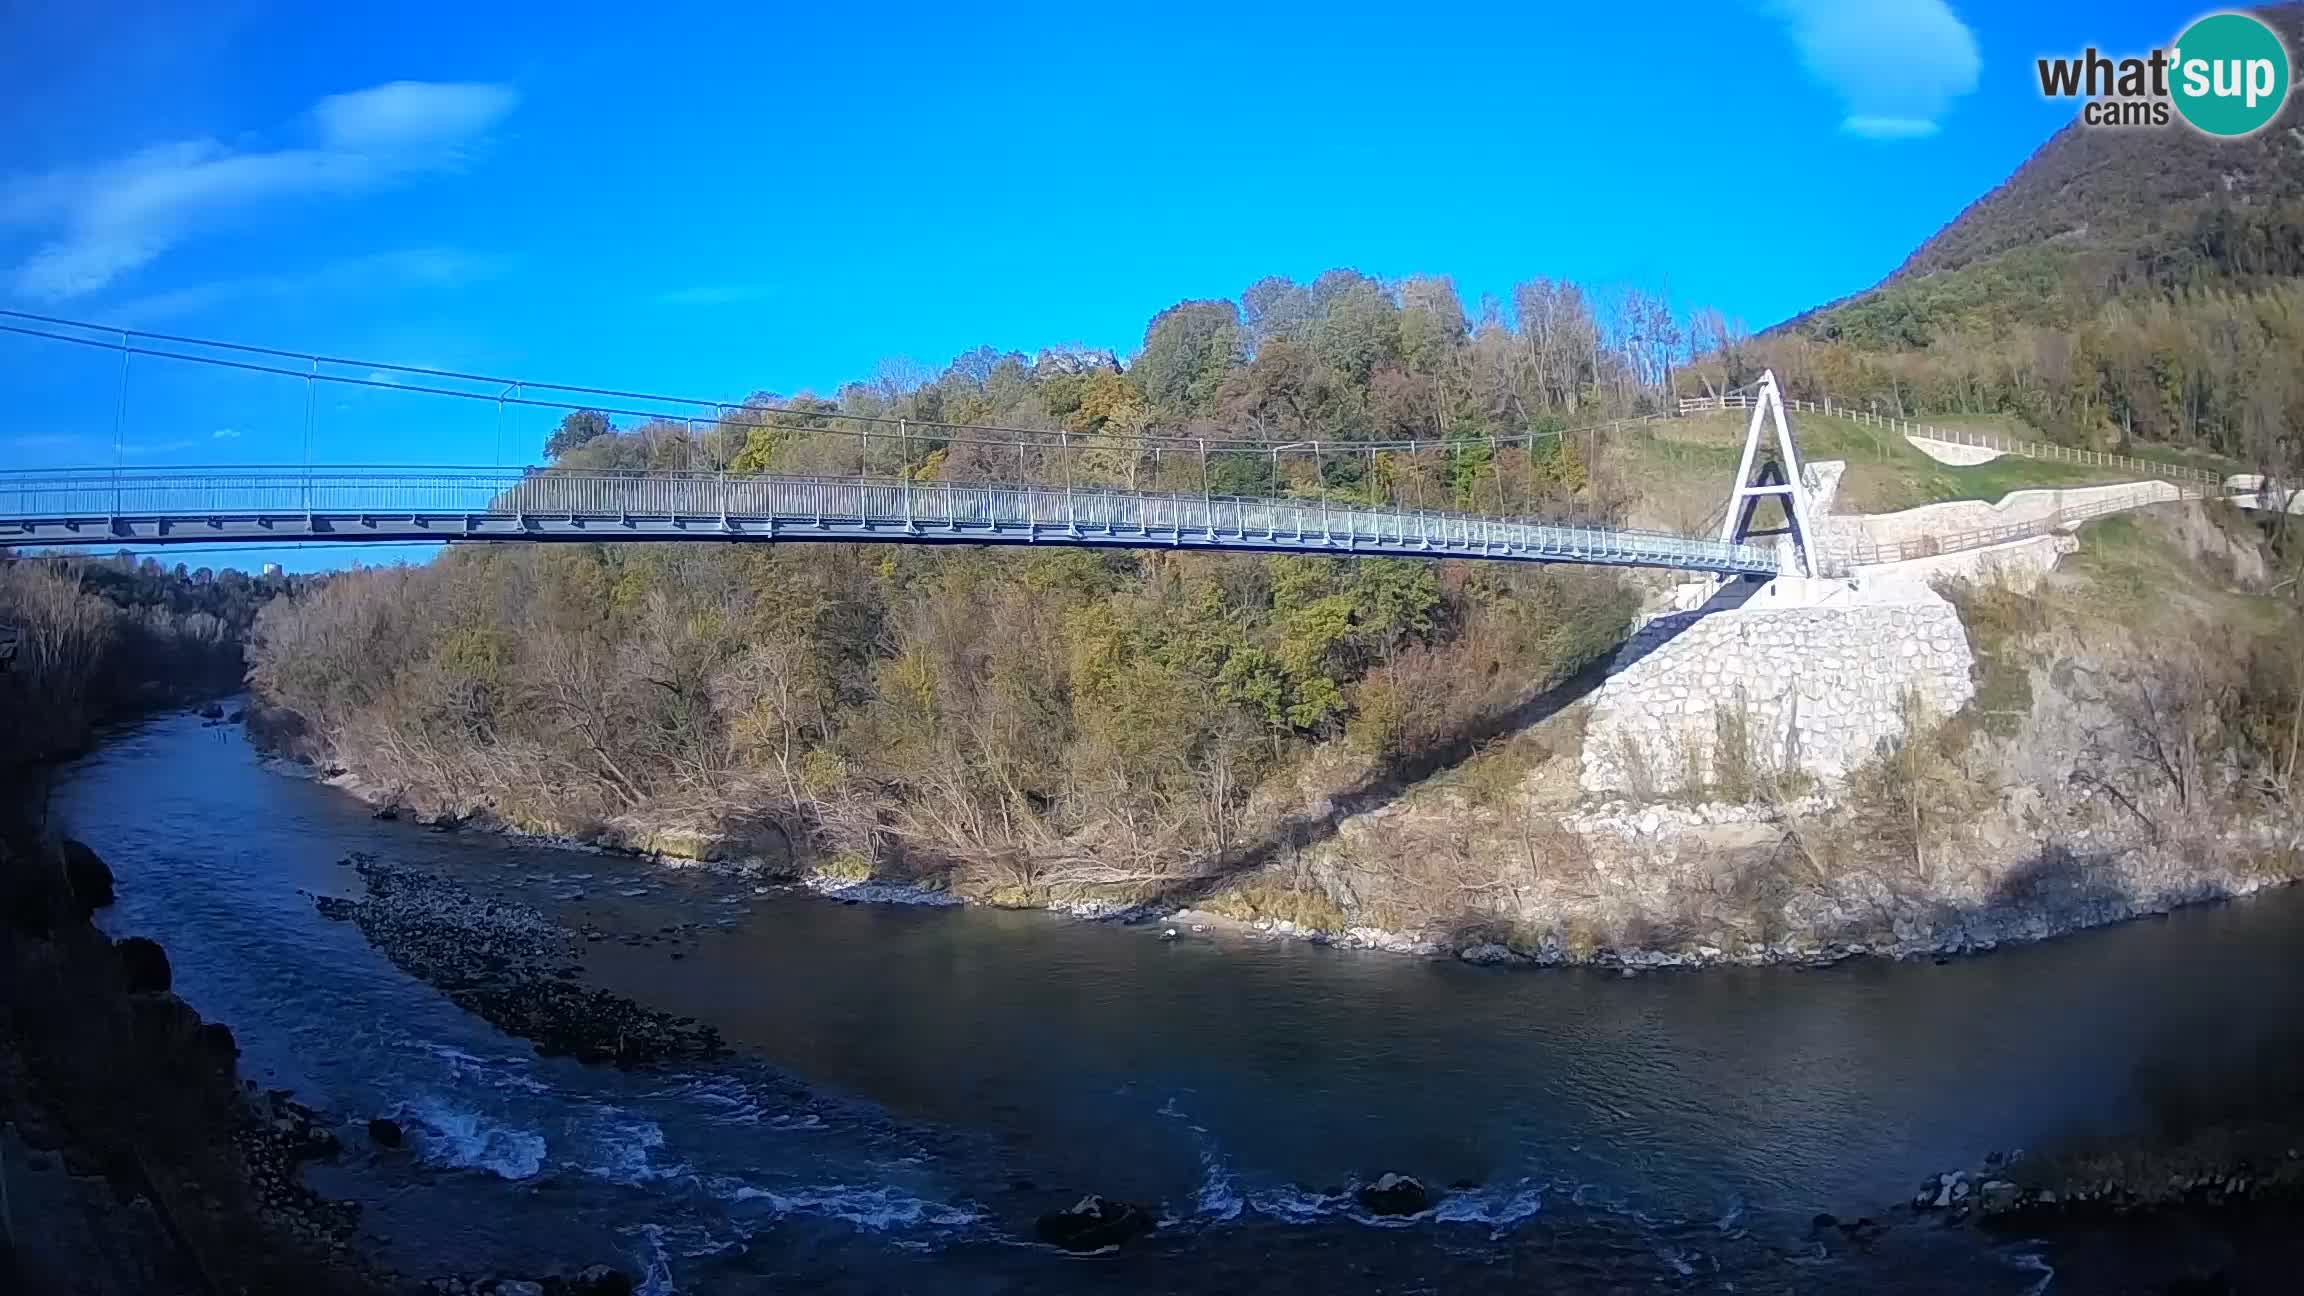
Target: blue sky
(675,197)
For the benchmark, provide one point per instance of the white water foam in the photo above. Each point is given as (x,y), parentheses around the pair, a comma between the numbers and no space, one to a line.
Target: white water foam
(726,1100)
(2029,1262)
(656,1266)
(622,1150)
(467,1140)
(1499,1208)
(875,1209)
(497,1073)
(1219,1196)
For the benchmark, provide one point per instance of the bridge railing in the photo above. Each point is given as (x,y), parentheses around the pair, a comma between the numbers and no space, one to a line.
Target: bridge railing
(2042,450)
(1847,554)
(880,506)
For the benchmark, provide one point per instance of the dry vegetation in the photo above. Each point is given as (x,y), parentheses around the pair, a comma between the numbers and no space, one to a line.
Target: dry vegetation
(100,639)
(1029,723)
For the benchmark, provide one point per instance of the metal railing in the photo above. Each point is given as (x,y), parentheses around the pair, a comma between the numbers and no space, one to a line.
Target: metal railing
(2042,450)
(856,469)
(92,507)
(1843,555)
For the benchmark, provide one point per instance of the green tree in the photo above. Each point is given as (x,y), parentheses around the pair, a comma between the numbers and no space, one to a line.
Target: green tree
(1188,348)
(577,428)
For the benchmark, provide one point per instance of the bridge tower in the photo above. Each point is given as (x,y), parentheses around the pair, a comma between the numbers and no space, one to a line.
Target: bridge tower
(1777,475)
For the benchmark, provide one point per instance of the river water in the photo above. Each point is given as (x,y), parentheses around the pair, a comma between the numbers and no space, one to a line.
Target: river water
(914,1085)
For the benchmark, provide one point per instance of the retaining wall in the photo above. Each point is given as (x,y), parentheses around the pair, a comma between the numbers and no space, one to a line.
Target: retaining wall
(1821,688)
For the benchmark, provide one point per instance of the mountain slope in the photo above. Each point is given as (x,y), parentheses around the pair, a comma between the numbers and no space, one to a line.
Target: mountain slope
(2093,213)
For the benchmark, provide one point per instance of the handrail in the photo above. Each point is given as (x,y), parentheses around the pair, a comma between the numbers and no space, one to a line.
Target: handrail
(2064,517)
(2044,450)
(499,504)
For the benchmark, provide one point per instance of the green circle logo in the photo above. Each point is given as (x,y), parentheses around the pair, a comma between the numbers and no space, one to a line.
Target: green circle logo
(2228,74)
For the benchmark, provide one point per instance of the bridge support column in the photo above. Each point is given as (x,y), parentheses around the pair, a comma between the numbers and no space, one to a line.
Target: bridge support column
(1779,476)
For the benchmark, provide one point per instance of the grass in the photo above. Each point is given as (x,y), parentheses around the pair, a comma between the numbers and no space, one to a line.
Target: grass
(1250,899)
(1998,622)
(2134,569)
(1680,470)
(2183,458)
(846,866)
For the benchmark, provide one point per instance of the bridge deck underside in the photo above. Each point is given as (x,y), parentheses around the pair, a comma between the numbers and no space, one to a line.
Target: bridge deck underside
(102,508)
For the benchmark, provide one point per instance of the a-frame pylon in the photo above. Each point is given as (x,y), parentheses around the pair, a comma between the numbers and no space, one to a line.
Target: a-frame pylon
(1780,476)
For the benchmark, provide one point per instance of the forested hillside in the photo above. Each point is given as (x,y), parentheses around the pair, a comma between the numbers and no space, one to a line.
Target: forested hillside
(1021,721)
(2125,284)
(1020,713)
(106,637)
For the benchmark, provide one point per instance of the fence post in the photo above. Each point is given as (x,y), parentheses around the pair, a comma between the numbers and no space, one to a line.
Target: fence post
(1320,484)
(1064,452)
(1207,498)
(903,429)
(120,426)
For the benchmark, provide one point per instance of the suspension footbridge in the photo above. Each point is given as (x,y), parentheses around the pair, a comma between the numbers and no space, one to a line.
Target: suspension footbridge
(808,471)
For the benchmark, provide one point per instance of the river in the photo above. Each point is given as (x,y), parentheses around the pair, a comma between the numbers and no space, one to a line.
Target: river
(914,1085)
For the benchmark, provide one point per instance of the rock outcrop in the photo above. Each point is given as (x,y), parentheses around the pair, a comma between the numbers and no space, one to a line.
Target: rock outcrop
(1094,1223)
(86,873)
(1394,1194)
(143,966)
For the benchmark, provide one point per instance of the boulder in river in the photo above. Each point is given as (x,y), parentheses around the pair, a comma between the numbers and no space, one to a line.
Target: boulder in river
(601,1280)
(385,1132)
(144,965)
(1094,1223)
(1394,1194)
(87,874)
(211,712)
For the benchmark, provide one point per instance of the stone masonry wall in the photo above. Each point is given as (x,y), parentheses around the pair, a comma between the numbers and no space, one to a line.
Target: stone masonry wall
(2019,565)
(1821,687)
(2022,506)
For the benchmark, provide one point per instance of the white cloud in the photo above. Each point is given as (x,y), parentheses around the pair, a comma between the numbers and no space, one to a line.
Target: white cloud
(226,434)
(111,218)
(138,449)
(410,114)
(408,267)
(1896,64)
(1889,127)
(43,441)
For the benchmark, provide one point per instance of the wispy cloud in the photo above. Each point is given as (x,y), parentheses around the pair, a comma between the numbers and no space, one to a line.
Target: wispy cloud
(140,449)
(402,115)
(108,219)
(225,434)
(408,267)
(1896,64)
(713,295)
(42,441)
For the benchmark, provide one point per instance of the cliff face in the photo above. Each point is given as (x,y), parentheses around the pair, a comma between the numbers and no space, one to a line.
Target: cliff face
(135,1161)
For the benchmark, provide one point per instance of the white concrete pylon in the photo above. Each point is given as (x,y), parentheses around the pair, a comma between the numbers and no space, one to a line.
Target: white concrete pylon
(1781,477)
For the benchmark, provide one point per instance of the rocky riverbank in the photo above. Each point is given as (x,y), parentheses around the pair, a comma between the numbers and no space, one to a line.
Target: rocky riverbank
(1616,885)
(511,966)
(133,1158)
